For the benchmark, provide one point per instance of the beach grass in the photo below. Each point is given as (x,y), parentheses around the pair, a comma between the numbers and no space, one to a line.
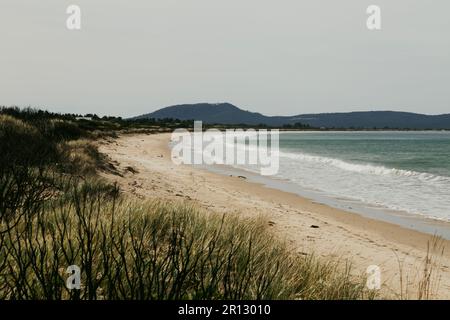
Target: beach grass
(157,250)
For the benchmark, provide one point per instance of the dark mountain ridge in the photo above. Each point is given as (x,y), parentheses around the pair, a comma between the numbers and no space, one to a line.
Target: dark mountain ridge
(226,113)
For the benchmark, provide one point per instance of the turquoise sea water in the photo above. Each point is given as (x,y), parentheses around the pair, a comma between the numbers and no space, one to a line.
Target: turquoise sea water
(406,171)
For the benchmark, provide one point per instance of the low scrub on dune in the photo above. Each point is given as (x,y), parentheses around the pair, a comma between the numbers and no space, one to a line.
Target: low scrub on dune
(36,165)
(23,144)
(156,250)
(81,157)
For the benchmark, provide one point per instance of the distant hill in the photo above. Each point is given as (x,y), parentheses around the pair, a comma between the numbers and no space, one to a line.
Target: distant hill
(220,113)
(375,119)
(226,113)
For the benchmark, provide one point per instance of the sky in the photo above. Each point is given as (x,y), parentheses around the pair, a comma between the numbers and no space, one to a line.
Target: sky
(281,57)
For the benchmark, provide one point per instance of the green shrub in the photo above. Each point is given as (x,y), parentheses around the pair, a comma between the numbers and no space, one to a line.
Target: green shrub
(23,144)
(35,158)
(60,130)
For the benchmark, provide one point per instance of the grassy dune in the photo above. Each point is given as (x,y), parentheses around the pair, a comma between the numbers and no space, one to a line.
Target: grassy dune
(156,250)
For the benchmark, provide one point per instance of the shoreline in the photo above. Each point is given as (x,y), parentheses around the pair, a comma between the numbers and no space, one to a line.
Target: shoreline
(421,223)
(398,251)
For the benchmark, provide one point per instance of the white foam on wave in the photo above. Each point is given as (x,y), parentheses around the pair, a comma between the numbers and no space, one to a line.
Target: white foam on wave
(414,192)
(395,189)
(364,168)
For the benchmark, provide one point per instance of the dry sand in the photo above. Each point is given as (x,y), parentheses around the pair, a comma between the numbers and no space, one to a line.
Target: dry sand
(148,172)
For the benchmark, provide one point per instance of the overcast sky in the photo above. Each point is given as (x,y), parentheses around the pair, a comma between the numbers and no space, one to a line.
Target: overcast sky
(280,57)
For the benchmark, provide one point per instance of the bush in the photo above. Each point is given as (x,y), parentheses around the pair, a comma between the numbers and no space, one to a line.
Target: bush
(81,158)
(34,158)
(25,155)
(60,130)
(23,144)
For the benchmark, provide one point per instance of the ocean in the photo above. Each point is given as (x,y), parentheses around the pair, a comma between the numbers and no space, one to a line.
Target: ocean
(402,171)
(400,177)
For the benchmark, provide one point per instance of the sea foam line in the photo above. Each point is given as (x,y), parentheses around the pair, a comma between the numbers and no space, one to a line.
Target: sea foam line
(365,168)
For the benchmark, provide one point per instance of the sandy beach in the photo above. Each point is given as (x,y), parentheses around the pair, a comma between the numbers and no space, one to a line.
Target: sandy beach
(146,171)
